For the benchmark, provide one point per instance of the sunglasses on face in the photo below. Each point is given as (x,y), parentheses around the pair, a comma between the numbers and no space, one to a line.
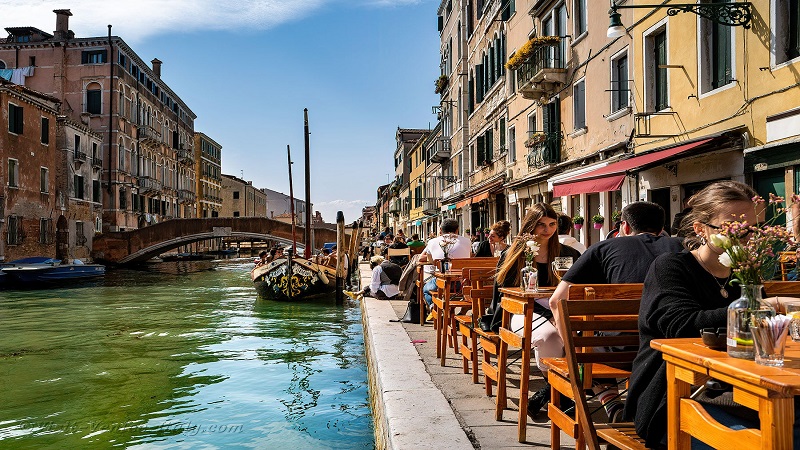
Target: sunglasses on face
(742,235)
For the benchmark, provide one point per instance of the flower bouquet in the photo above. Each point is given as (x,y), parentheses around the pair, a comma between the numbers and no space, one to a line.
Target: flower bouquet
(752,253)
(529,276)
(447,242)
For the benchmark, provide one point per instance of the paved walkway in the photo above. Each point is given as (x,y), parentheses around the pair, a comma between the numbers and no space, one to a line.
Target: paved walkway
(419,404)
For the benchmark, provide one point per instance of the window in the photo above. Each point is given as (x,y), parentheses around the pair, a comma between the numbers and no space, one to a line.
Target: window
(15,232)
(98,224)
(236,214)
(93,101)
(619,83)
(93,56)
(235,195)
(96,191)
(123,199)
(656,88)
(13,172)
(579,104)
(787,30)
(77,188)
(77,145)
(44,180)
(716,53)
(512,144)
(502,130)
(15,117)
(95,154)
(121,157)
(580,17)
(45,231)
(80,237)
(45,131)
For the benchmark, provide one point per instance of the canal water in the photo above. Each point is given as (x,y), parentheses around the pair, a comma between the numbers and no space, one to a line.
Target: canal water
(180,355)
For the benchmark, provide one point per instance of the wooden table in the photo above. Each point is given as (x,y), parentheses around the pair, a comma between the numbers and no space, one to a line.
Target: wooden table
(768,390)
(516,301)
(446,293)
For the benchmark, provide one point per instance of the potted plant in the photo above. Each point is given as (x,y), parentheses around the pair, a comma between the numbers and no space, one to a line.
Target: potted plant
(441,84)
(577,222)
(535,138)
(616,216)
(598,220)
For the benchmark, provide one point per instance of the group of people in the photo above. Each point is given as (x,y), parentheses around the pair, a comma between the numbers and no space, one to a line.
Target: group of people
(685,287)
(265,257)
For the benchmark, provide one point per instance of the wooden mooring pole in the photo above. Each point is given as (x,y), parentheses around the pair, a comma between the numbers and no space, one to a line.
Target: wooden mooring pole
(341,271)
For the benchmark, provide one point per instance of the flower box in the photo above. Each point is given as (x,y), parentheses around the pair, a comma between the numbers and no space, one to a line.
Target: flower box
(598,226)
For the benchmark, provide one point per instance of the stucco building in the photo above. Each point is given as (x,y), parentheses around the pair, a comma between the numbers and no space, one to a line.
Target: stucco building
(208,157)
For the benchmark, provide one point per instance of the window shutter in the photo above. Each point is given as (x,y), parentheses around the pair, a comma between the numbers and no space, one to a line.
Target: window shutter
(489,145)
(441,24)
(502,133)
(479,83)
(45,131)
(481,154)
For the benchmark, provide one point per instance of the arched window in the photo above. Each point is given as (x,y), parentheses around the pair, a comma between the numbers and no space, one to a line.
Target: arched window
(121,104)
(94,99)
(2,64)
(121,155)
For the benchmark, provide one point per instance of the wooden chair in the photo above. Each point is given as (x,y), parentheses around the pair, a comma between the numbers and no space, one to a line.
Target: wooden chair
(580,319)
(478,291)
(558,370)
(477,263)
(787,261)
(782,288)
(398,252)
(445,301)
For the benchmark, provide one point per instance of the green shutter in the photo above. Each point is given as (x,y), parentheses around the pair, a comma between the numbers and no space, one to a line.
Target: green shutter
(660,81)
(489,153)
(502,133)
(481,153)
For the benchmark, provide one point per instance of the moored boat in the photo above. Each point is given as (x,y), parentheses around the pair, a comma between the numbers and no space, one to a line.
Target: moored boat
(33,272)
(292,279)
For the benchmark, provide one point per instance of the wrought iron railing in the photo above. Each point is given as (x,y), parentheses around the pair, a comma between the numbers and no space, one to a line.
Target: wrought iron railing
(149,133)
(80,156)
(186,196)
(546,150)
(544,57)
(149,184)
(186,156)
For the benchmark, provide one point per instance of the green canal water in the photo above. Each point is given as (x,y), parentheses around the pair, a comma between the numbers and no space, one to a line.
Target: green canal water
(180,355)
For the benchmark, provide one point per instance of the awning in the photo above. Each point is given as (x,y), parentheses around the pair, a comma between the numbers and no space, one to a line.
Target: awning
(610,177)
(480,197)
(463,203)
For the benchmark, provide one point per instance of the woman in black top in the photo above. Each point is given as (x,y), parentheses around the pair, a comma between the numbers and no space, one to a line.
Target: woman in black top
(495,243)
(683,293)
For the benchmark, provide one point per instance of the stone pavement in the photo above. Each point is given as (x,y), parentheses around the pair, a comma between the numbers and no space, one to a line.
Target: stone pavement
(419,404)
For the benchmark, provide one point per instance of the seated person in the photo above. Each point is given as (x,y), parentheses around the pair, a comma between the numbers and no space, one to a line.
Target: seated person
(262,258)
(332,258)
(383,285)
(495,244)
(323,257)
(399,242)
(415,244)
(683,293)
(457,247)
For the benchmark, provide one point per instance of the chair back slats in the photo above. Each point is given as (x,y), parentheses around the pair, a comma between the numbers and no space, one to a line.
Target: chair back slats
(398,252)
(605,291)
(578,316)
(623,340)
(463,263)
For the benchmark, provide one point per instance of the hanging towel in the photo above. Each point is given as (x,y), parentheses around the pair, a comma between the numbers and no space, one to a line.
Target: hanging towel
(6,74)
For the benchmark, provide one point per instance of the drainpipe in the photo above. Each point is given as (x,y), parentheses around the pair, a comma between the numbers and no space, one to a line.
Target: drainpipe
(110,119)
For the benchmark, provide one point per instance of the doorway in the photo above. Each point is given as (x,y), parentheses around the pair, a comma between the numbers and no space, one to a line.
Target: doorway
(661,198)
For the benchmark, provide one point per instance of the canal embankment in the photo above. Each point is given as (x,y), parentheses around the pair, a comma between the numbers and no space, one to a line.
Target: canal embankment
(417,403)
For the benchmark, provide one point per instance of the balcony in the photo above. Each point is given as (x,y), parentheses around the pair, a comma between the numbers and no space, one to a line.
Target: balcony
(545,149)
(440,152)
(97,162)
(430,206)
(80,157)
(149,135)
(186,157)
(149,184)
(543,73)
(186,196)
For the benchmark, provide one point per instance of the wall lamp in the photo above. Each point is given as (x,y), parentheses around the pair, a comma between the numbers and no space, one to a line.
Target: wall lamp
(731,14)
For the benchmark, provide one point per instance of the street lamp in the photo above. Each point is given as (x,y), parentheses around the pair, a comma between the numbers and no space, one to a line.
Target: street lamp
(731,14)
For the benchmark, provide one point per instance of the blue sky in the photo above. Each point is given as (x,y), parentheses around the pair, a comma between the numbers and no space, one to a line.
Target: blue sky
(248,68)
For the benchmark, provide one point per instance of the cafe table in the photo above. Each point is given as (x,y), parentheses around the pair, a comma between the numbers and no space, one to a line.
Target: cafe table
(768,390)
(516,301)
(450,279)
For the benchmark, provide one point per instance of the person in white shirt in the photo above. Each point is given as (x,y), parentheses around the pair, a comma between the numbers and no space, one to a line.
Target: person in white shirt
(448,241)
(564,233)
(383,284)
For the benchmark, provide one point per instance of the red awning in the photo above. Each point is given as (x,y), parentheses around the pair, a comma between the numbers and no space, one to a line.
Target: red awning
(480,197)
(610,177)
(463,203)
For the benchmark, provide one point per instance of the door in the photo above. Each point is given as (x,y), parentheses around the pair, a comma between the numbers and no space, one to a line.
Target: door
(771,182)
(661,197)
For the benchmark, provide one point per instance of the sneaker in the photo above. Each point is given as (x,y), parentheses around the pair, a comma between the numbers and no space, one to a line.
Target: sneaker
(429,318)
(352,295)
(615,413)
(538,400)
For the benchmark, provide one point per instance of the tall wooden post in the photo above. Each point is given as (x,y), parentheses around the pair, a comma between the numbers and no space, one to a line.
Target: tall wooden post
(341,271)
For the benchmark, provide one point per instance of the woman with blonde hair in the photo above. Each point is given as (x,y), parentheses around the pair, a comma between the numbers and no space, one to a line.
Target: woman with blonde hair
(542,222)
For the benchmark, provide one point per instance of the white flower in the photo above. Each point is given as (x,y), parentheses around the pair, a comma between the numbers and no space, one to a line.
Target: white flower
(725,259)
(532,247)
(720,240)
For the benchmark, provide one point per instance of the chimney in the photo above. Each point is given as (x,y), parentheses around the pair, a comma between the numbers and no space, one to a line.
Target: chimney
(156,67)
(62,23)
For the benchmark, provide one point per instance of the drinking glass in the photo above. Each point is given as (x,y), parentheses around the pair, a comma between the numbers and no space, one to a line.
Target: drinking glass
(561,264)
(793,311)
(769,337)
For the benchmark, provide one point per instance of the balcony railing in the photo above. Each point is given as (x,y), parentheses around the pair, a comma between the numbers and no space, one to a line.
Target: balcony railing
(430,205)
(80,157)
(97,162)
(441,151)
(186,156)
(149,184)
(544,72)
(149,134)
(546,150)
(186,196)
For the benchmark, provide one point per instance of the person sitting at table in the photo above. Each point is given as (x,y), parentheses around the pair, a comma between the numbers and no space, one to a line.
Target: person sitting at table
(683,293)
(541,221)
(415,244)
(565,227)
(434,252)
(495,244)
(621,260)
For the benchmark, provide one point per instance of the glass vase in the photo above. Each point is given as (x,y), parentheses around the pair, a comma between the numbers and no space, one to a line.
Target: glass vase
(445,265)
(740,311)
(529,278)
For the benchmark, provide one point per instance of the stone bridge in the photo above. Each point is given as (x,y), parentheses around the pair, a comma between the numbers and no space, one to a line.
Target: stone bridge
(125,247)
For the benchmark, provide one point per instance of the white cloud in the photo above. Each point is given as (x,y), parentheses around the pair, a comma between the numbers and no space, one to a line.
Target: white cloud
(350,208)
(134,20)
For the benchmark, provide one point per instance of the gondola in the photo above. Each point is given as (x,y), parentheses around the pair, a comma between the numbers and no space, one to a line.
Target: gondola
(292,279)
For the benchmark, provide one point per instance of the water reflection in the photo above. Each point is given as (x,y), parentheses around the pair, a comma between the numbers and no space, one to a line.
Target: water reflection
(177,354)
